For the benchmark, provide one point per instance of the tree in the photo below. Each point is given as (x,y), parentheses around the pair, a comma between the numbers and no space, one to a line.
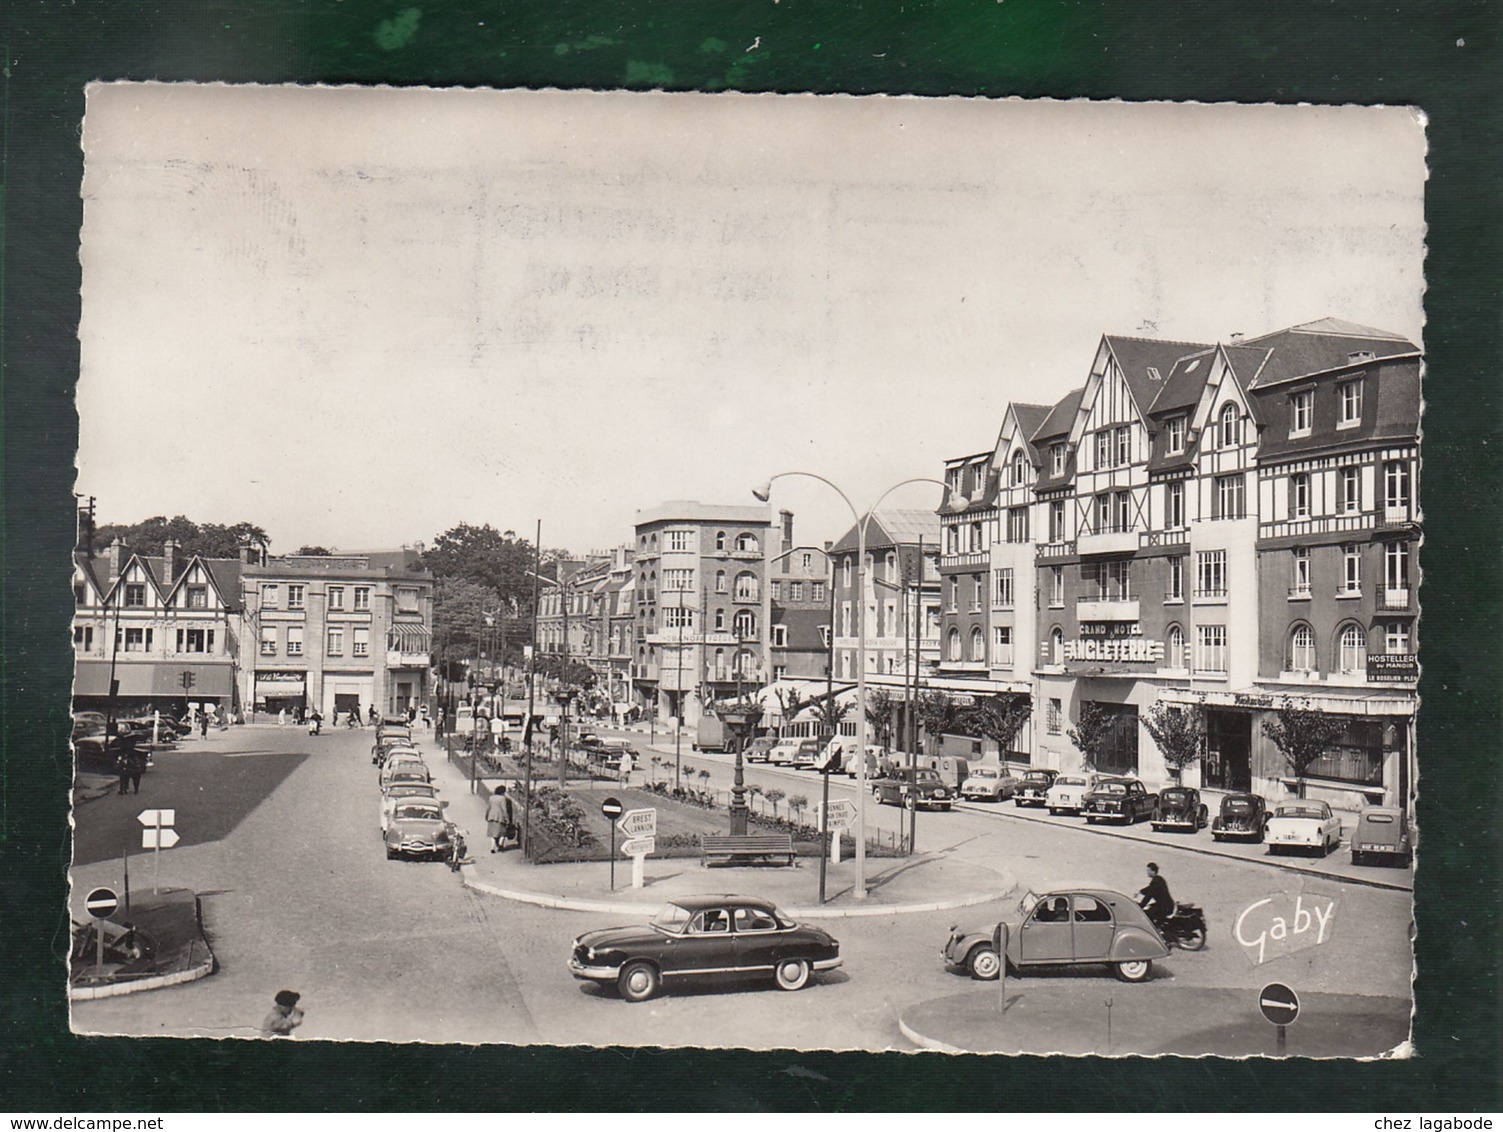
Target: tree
(211,540)
(798,804)
(787,702)
(1302,735)
(934,711)
(830,712)
(1179,733)
(881,706)
(998,718)
(497,561)
(775,796)
(315,551)
(459,609)
(1092,733)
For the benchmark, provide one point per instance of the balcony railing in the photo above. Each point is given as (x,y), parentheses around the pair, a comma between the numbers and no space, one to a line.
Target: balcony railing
(1056,550)
(1397,515)
(1299,591)
(971,558)
(1395,599)
(1108,541)
(1177,536)
(1326,524)
(1211,594)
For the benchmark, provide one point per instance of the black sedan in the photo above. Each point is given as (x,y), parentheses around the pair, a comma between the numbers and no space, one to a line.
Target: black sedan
(1243,817)
(1180,808)
(705,937)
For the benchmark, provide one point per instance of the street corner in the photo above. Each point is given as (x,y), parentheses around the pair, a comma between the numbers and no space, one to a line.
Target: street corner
(1077,1014)
(143,942)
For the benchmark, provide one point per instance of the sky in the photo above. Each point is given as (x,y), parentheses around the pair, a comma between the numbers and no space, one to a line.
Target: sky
(360,316)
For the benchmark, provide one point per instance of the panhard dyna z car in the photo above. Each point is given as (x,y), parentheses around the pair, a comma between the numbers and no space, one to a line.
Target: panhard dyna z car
(706,937)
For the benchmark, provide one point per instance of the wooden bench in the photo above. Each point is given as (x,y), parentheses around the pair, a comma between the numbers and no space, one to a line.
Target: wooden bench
(728,848)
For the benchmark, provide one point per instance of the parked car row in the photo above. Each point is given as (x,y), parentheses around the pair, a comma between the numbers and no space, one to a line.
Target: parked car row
(413,821)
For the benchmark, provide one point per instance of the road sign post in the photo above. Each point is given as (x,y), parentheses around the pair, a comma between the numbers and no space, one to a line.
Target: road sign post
(101,904)
(612,809)
(641,827)
(999,941)
(1280,1005)
(157,835)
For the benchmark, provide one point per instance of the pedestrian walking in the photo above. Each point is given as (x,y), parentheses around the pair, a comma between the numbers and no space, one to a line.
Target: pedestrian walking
(499,824)
(282,718)
(135,766)
(627,766)
(203,725)
(285,1016)
(372,717)
(125,751)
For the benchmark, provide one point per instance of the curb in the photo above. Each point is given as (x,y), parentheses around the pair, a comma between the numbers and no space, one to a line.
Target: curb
(572,904)
(201,970)
(924,1042)
(1284,864)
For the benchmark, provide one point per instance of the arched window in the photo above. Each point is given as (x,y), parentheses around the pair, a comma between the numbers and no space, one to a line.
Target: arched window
(747,588)
(745,625)
(746,541)
(1174,647)
(1231,430)
(1302,649)
(978,644)
(719,540)
(1057,647)
(954,639)
(745,663)
(720,581)
(1353,650)
(1019,469)
(720,621)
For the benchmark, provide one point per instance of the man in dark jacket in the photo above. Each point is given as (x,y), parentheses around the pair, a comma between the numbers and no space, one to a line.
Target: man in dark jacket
(1154,896)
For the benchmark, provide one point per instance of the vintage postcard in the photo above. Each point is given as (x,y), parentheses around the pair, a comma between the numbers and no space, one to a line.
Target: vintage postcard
(587,568)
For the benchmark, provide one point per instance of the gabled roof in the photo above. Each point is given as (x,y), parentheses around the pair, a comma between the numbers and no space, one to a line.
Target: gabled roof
(1029,418)
(226,575)
(1061,417)
(1146,362)
(95,570)
(893,528)
(1182,386)
(1323,345)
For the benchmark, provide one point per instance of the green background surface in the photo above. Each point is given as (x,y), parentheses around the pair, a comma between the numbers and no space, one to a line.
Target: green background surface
(1274,50)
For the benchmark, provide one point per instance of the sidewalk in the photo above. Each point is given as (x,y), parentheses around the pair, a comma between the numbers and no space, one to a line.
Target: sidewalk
(1055,1013)
(927,883)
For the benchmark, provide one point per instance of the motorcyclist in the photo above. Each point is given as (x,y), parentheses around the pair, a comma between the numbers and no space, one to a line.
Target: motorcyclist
(1154,897)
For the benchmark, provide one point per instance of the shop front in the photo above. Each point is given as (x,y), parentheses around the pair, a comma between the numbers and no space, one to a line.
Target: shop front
(276,692)
(143,687)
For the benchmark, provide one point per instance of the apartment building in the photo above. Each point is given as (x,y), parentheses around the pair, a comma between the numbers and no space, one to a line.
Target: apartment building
(703,605)
(902,596)
(799,598)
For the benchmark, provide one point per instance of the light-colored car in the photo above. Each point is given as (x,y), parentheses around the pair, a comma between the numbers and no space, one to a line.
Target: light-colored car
(1382,831)
(1068,794)
(400,762)
(781,753)
(418,828)
(400,790)
(989,783)
(1303,824)
(404,772)
(880,762)
(1064,928)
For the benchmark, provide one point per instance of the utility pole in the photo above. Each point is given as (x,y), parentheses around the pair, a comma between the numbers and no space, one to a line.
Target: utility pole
(537,550)
(563,754)
(910,724)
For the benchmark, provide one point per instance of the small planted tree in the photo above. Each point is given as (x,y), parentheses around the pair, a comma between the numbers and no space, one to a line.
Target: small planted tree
(775,796)
(1000,718)
(1302,735)
(935,712)
(880,708)
(830,713)
(1179,733)
(1091,733)
(787,703)
(797,805)
(754,791)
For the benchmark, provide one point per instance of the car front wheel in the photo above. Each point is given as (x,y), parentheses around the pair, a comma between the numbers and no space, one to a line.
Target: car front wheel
(638,981)
(1134,970)
(983,962)
(792,974)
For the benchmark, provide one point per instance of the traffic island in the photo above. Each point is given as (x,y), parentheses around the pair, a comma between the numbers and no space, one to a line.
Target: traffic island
(1073,1013)
(158,942)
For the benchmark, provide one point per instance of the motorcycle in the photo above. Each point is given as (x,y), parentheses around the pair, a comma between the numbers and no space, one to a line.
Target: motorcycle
(1185,927)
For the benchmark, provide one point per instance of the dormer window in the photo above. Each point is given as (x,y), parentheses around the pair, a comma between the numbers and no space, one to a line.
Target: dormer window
(1019,469)
(1300,405)
(1174,436)
(1231,427)
(1056,459)
(1349,395)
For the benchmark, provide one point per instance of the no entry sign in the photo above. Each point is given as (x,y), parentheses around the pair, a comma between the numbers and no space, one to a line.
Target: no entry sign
(612,808)
(101,903)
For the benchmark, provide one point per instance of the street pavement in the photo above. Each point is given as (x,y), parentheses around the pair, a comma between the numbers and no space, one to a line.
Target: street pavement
(297,893)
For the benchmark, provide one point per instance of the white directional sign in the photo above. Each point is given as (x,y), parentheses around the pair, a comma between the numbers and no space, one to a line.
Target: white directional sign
(154,838)
(157,817)
(841,814)
(639,847)
(639,823)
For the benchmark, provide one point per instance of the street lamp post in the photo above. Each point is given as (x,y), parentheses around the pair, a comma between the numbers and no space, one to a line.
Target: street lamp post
(956,503)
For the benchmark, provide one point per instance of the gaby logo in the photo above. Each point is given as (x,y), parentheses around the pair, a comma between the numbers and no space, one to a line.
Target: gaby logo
(1281,925)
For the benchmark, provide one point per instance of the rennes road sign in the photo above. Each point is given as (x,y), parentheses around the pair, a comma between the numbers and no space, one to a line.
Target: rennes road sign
(612,808)
(102,902)
(639,847)
(640,823)
(841,814)
(1280,1005)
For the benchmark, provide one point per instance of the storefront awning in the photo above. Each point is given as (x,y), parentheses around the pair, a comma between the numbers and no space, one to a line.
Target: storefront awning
(154,678)
(1354,702)
(409,639)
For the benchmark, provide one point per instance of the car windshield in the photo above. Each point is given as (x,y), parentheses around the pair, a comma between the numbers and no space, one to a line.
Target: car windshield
(1175,796)
(1378,819)
(419,812)
(926,776)
(1033,778)
(671,918)
(1307,810)
(1238,806)
(983,772)
(1069,781)
(1111,788)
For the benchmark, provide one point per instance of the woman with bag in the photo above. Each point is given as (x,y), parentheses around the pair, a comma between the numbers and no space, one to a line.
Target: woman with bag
(498,819)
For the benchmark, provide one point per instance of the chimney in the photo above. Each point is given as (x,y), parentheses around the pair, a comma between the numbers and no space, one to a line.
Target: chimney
(786,518)
(169,556)
(1237,337)
(113,556)
(251,554)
